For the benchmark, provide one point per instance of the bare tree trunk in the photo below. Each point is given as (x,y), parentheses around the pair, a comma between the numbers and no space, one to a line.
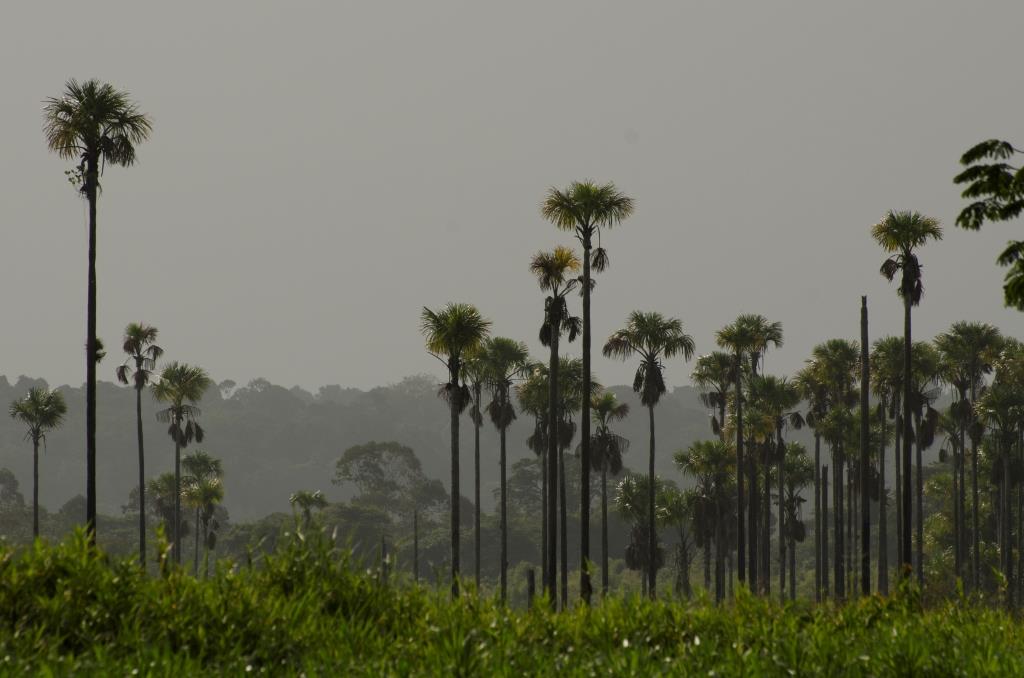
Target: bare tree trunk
(564,545)
(585,586)
(416,547)
(550,577)
(883,529)
(840,546)
(91,192)
(782,521)
(604,532)
(792,570)
(142,473)
(455,494)
(35,487)
(504,518)
(195,555)
(906,560)
(177,498)
(819,525)
(740,470)
(476,486)
(824,533)
(919,518)
(975,530)
(753,520)
(652,535)
(865,433)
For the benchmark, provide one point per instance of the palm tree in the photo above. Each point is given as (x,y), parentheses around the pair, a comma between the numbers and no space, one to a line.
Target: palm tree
(138,367)
(814,391)
(180,386)
(901,234)
(606,450)
(205,494)
(41,410)
(95,124)
(584,208)
(202,469)
(968,350)
(504,359)
(553,271)
(712,464)
(451,334)
(306,502)
(653,338)
(886,381)
(473,372)
(738,340)
(714,375)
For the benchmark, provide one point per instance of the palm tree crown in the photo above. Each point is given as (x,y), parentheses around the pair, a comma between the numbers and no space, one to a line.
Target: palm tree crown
(653,337)
(41,410)
(900,233)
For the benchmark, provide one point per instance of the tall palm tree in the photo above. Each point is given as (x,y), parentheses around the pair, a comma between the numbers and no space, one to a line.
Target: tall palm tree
(969,350)
(901,234)
(584,208)
(653,338)
(504,360)
(180,386)
(714,375)
(473,374)
(138,369)
(201,469)
(886,381)
(307,502)
(95,124)
(814,390)
(41,410)
(451,334)
(606,450)
(205,494)
(712,464)
(554,272)
(746,337)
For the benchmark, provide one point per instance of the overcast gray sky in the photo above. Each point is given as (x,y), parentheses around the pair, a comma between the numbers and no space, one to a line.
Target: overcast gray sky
(319,171)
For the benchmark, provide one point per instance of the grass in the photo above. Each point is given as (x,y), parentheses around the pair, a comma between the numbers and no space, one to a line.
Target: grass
(68,609)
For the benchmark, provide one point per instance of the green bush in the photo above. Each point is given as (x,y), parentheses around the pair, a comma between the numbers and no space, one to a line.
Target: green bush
(70,609)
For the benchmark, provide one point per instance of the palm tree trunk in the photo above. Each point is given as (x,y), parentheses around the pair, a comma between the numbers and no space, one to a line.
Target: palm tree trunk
(766,519)
(740,535)
(707,564)
(177,497)
(585,586)
(564,525)
(195,566)
(504,519)
(976,559)
(455,493)
(652,536)
(883,529)
(753,523)
(91,190)
(837,501)
(476,487)
(604,532)
(919,518)
(865,431)
(719,563)
(962,502)
(550,585)
(544,520)
(898,466)
(782,523)
(792,570)
(35,487)
(824,533)
(142,476)
(416,547)
(906,559)
(818,524)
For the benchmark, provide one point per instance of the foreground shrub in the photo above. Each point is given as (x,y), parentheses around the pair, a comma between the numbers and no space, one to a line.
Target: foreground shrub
(69,609)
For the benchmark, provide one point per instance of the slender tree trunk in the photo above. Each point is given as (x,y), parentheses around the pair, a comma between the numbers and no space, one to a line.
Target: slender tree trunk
(585,586)
(818,524)
(740,470)
(898,466)
(753,522)
(707,564)
(919,518)
(652,535)
(962,501)
(177,497)
(883,528)
(476,487)
(729,579)
(824,533)
(782,520)
(564,520)
(550,586)
(91,186)
(195,554)
(504,519)
(35,487)
(837,500)
(604,532)
(416,547)
(455,491)
(865,434)
(142,473)
(792,570)
(906,559)
(975,530)
(766,516)
(719,563)
(543,511)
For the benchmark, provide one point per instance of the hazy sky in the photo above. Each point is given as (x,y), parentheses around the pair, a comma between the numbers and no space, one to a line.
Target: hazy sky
(320,171)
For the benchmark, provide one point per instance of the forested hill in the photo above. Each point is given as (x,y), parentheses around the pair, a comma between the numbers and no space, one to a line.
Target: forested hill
(274,441)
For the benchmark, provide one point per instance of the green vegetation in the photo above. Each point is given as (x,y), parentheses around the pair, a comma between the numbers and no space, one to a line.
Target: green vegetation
(308,609)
